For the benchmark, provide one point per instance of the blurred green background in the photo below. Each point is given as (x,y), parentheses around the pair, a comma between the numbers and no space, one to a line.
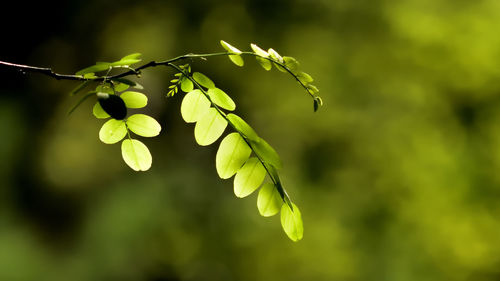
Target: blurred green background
(397,176)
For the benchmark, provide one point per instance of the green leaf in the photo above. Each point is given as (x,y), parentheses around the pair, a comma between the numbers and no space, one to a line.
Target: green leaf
(203,80)
(136,155)
(80,87)
(291,221)
(99,112)
(134,99)
(317,103)
(186,85)
(105,88)
(241,126)
(269,200)
(249,177)
(232,154)
(291,63)
(125,81)
(194,105)
(120,87)
(143,125)
(113,131)
(304,77)
(125,62)
(210,127)
(236,59)
(221,99)
(256,49)
(275,56)
(94,68)
(266,152)
(265,63)
(131,56)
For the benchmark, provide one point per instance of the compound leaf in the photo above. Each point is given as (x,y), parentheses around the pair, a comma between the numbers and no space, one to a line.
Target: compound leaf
(291,63)
(269,200)
(203,80)
(113,131)
(194,105)
(186,85)
(249,177)
(221,99)
(134,99)
(99,112)
(95,68)
(304,77)
(236,58)
(265,63)
(143,125)
(232,154)
(136,154)
(210,127)
(241,126)
(266,152)
(291,221)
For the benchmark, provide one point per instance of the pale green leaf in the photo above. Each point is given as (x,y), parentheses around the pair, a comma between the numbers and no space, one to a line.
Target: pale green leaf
(275,56)
(249,177)
(186,85)
(203,80)
(291,221)
(304,77)
(237,59)
(131,56)
(265,63)
(99,112)
(256,49)
(241,126)
(105,89)
(210,127)
(291,63)
(269,200)
(134,99)
(232,154)
(194,105)
(120,87)
(125,62)
(94,68)
(266,152)
(221,99)
(113,131)
(136,155)
(229,48)
(143,125)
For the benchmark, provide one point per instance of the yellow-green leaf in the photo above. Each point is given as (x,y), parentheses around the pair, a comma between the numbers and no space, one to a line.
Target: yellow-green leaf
(269,200)
(136,155)
(113,131)
(241,126)
(143,125)
(203,80)
(221,99)
(265,63)
(134,99)
(229,48)
(99,112)
(194,105)
(210,127)
(249,177)
(266,152)
(291,221)
(186,85)
(232,154)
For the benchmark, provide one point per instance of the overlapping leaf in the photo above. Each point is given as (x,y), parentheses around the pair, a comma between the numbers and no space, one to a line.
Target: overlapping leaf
(249,177)
(232,154)
(134,99)
(269,200)
(221,99)
(194,105)
(210,127)
(291,221)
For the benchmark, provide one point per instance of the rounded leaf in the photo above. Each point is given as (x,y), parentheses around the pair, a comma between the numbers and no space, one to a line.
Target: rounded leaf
(194,105)
(203,80)
(143,125)
(99,112)
(134,99)
(220,98)
(269,200)
(257,50)
(186,85)
(265,63)
(113,105)
(241,126)
(249,177)
(229,48)
(291,221)
(232,154)
(136,155)
(113,131)
(210,127)
(266,152)
(304,77)
(291,63)
(275,56)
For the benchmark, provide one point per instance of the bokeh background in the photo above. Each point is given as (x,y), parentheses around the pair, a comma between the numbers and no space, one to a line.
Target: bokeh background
(397,176)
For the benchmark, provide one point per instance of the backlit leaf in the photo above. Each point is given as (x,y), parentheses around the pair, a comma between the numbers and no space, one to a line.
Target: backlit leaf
(210,127)
(265,63)
(113,131)
(131,56)
(136,155)
(236,59)
(266,152)
(194,105)
(186,85)
(291,63)
(120,87)
(304,77)
(99,112)
(232,154)
(220,98)
(291,221)
(134,99)
(203,80)
(143,125)
(249,177)
(256,49)
(241,126)
(269,200)
(94,68)
(275,56)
